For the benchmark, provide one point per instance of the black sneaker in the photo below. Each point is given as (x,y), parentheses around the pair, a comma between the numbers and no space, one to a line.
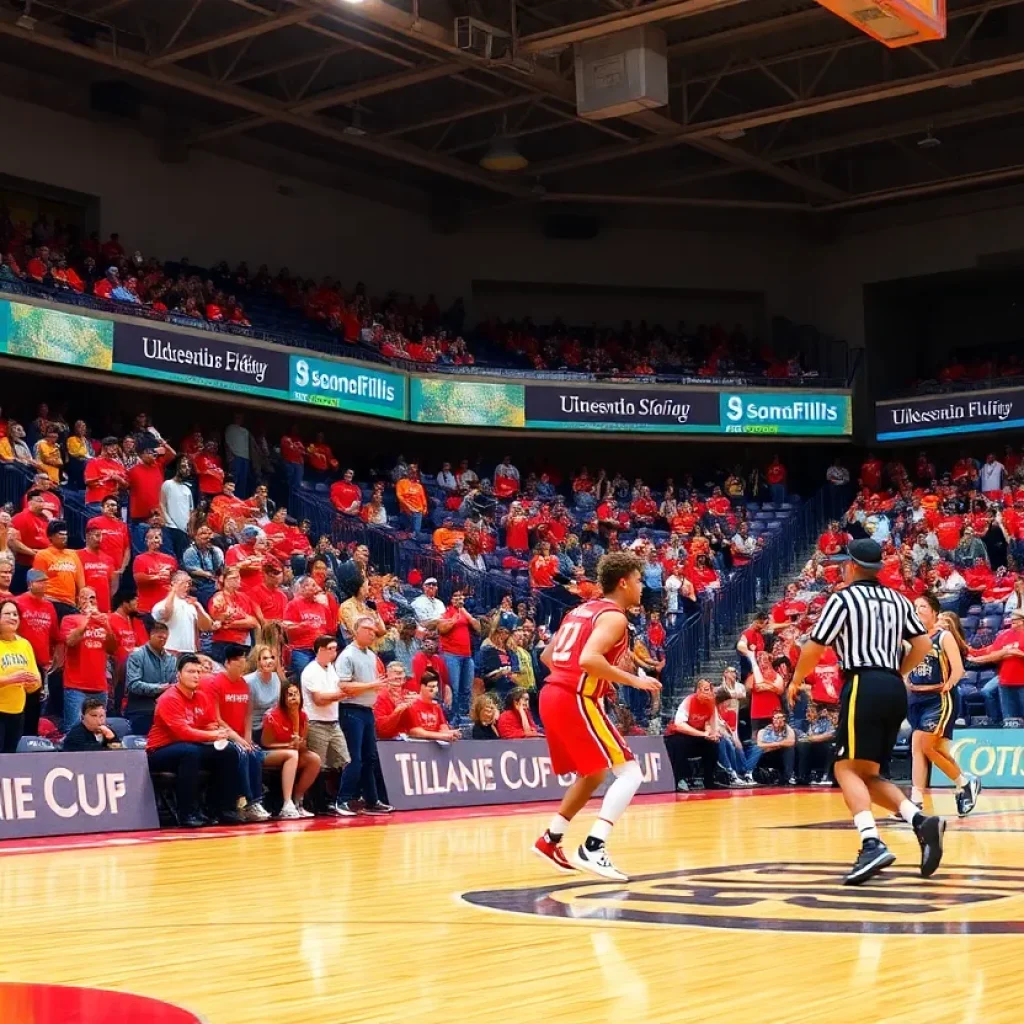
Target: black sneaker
(193,821)
(874,855)
(929,834)
(231,818)
(343,809)
(378,808)
(967,798)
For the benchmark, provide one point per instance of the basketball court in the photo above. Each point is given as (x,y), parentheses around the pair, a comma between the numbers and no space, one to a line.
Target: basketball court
(734,912)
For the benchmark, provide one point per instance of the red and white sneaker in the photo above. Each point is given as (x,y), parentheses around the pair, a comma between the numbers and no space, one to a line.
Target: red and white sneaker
(554,855)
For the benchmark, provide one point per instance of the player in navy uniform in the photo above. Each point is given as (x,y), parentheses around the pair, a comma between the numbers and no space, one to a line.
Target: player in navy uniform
(931,709)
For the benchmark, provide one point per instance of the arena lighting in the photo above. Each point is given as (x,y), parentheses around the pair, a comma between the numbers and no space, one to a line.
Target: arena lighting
(732,134)
(503,156)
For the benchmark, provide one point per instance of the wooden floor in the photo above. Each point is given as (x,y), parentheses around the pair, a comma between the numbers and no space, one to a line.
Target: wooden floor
(734,914)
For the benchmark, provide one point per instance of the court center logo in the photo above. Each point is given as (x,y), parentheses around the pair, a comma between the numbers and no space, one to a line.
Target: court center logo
(807,897)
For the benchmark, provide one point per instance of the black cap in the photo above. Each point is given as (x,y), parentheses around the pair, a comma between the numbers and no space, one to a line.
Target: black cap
(865,553)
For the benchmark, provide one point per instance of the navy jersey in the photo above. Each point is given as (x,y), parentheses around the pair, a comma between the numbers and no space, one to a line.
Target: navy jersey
(933,669)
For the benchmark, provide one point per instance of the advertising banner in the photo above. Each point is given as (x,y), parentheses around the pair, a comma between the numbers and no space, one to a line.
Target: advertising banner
(38,332)
(466,403)
(936,415)
(793,413)
(208,361)
(347,387)
(610,407)
(63,794)
(425,774)
(996,756)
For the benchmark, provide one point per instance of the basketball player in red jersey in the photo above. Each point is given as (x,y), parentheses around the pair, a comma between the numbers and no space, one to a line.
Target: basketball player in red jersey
(583,658)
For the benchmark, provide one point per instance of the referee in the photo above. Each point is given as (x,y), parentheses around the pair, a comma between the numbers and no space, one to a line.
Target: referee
(870,626)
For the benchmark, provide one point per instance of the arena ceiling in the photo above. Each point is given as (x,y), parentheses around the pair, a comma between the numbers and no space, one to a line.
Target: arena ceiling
(774,104)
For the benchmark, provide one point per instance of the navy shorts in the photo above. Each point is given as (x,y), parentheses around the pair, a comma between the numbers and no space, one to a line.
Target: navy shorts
(934,714)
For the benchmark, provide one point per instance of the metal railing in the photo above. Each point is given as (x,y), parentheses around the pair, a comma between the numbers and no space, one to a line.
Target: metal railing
(332,345)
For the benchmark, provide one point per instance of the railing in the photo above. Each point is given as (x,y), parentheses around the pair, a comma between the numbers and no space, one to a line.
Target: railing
(721,614)
(16,479)
(331,345)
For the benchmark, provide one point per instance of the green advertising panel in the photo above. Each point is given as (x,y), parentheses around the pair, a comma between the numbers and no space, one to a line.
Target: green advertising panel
(466,403)
(38,332)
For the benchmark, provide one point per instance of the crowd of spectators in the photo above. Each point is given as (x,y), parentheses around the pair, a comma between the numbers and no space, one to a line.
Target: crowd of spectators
(956,533)
(55,256)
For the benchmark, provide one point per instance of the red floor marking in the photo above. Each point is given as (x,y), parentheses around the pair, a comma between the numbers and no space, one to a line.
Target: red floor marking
(60,1004)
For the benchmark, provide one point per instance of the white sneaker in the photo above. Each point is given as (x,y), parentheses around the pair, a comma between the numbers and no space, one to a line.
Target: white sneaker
(289,810)
(256,812)
(303,813)
(597,862)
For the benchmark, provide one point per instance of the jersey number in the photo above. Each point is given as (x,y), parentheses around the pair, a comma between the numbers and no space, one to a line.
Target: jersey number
(565,640)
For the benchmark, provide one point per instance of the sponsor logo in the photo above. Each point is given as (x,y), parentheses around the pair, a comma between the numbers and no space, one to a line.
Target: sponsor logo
(804,897)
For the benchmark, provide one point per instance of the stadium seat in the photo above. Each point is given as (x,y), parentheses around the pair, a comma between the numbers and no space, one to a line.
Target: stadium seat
(993,607)
(130,742)
(35,745)
(969,623)
(975,609)
(120,727)
(991,622)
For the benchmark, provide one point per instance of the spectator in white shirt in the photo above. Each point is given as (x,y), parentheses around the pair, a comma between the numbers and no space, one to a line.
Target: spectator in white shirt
(321,692)
(743,544)
(176,503)
(954,582)
(446,479)
(466,477)
(183,615)
(427,608)
(505,468)
(837,474)
(991,476)
(473,561)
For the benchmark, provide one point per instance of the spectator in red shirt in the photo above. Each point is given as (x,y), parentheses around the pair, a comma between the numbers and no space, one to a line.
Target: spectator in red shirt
(456,628)
(694,732)
(391,703)
(833,541)
(185,738)
(115,540)
(644,509)
(31,525)
(516,722)
(152,571)
(308,615)
(146,478)
(284,733)
(320,459)
(105,476)
(40,627)
(250,556)
(269,597)
(776,478)
(234,613)
(543,567)
(1008,651)
(871,473)
(98,568)
(88,639)
(293,454)
(750,645)
(718,504)
(230,696)
(346,496)
(209,470)
(426,659)
(424,718)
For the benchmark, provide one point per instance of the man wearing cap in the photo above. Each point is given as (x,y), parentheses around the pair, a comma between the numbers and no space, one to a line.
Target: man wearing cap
(428,608)
(1008,651)
(63,569)
(105,476)
(868,624)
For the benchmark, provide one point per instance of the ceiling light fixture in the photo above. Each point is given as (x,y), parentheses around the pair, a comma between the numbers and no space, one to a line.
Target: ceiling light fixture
(732,134)
(503,155)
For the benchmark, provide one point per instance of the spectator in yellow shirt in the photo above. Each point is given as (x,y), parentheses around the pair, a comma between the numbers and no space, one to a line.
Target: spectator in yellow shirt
(48,453)
(18,674)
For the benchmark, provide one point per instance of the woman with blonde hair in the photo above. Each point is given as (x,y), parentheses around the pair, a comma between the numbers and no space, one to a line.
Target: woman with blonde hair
(264,684)
(483,713)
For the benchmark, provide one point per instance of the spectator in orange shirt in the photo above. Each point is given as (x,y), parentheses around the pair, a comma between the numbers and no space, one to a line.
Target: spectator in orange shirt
(446,537)
(320,459)
(412,499)
(64,574)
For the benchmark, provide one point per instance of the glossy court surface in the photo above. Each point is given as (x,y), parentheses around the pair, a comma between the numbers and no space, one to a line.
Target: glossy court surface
(734,913)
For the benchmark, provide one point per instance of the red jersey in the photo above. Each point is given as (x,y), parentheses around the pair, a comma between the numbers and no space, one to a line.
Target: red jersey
(230,698)
(293,450)
(1011,669)
(425,714)
(314,618)
(271,602)
(827,679)
(569,642)
(51,504)
(114,537)
(764,703)
(38,626)
(103,478)
(210,473)
(286,541)
(85,665)
(99,570)
(755,644)
(871,474)
(948,532)
(32,531)
(695,711)
(152,592)
(251,573)
(457,640)
(181,718)
(229,608)
(344,495)
(130,633)
(387,716)
(144,483)
(542,570)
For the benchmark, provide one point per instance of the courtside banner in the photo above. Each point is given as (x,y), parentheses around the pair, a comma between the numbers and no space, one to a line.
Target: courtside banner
(208,361)
(422,774)
(938,415)
(996,756)
(53,794)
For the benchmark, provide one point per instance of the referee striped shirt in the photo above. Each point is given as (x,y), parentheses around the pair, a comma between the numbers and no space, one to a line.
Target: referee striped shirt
(867,623)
